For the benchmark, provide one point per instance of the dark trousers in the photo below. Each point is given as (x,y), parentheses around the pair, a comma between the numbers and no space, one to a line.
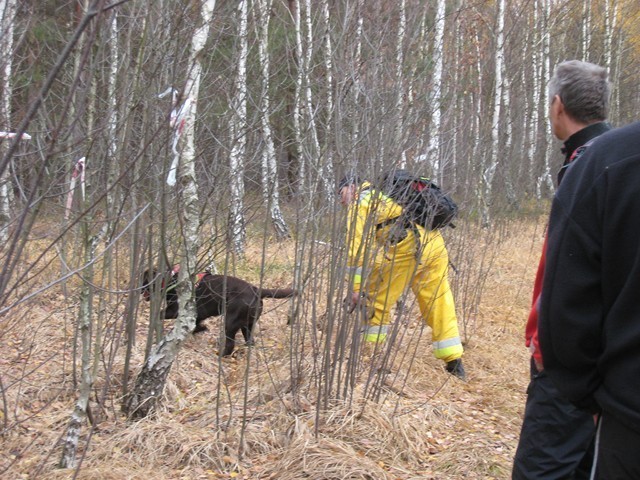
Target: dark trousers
(617,450)
(556,441)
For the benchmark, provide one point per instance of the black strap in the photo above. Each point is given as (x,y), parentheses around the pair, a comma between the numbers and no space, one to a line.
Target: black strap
(391,221)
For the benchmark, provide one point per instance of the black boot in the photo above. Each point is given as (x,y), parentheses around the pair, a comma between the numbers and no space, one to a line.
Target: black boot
(454,367)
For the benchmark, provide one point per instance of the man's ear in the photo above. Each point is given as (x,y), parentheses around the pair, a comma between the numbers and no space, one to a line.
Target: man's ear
(557,104)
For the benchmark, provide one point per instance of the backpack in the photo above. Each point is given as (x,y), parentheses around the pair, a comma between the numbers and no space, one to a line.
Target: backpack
(423,202)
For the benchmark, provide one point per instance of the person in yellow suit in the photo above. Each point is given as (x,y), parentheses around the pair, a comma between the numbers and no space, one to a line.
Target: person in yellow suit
(385,257)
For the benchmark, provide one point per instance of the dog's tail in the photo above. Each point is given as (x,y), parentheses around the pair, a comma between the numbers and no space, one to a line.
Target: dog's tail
(277,292)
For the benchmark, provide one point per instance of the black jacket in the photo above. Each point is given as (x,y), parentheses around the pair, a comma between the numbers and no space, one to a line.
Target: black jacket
(577,140)
(589,323)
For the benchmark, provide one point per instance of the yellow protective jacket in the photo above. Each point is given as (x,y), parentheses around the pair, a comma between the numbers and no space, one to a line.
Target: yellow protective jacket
(369,231)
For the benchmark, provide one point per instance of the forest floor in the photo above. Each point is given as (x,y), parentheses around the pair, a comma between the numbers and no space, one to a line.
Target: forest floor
(245,418)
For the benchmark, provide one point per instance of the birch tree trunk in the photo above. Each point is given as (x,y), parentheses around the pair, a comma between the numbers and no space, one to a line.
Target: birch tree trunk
(433,151)
(399,84)
(459,106)
(309,110)
(490,168)
(7,18)
(586,29)
(477,105)
(150,382)
(545,178)
(508,132)
(610,13)
(357,60)
(112,145)
(614,114)
(90,356)
(533,107)
(80,412)
(327,152)
(294,8)
(238,137)
(270,184)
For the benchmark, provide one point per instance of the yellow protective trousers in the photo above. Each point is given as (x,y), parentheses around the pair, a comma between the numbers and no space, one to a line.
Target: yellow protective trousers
(427,276)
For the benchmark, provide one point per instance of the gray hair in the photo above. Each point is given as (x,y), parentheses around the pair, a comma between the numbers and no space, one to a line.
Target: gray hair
(583,88)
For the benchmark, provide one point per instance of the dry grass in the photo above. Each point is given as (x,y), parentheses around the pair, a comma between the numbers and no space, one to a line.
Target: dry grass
(244,417)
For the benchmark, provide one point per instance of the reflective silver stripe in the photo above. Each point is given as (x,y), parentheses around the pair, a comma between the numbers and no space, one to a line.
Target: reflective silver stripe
(364,196)
(355,270)
(449,342)
(375,330)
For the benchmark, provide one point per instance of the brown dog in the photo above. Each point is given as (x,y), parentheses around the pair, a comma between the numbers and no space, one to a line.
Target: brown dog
(239,301)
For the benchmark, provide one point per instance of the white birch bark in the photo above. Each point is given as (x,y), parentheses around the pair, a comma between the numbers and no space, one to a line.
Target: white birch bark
(303,184)
(7,18)
(327,152)
(508,128)
(491,166)
(459,101)
(238,136)
(545,178)
(80,411)
(112,123)
(586,29)
(309,110)
(610,13)
(150,382)
(615,82)
(357,60)
(270,184)
(433,150)
(533,107)
(477,101)
(399,83)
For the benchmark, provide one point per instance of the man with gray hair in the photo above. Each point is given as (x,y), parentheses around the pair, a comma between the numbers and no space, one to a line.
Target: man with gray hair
(556,440)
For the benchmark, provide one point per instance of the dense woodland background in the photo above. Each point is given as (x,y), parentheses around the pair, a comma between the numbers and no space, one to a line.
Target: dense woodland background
(256,108)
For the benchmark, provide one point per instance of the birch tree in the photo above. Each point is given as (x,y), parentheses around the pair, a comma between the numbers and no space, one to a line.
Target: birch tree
(88,332)
(327,152)
(7,19)
(112,122)
(490,168)
(270,184)
(90,335)
(356,64)
(532,108)
(357,60)
(435,129)
(610,14)
(81,409)
(150,382)
(508,129)
(294,9)
(459,100)
(477,103)
(614,114)
(545,178)
(399,82)
(586,29)
(321,169)
(238,129)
